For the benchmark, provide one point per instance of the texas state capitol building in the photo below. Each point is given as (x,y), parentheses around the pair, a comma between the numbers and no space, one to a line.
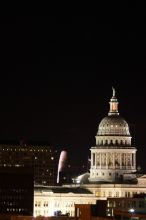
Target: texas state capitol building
(112,171)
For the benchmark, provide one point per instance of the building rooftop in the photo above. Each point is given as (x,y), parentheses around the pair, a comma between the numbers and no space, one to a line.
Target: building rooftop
(59,189)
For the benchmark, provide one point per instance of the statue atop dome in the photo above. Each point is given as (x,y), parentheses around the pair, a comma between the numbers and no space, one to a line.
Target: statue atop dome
(113,104)
(114,91)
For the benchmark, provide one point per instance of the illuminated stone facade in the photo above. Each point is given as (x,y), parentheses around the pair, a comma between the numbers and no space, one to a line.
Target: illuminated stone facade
(48,200)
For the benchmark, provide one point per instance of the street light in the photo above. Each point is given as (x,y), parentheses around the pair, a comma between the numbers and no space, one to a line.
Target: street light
(131,211)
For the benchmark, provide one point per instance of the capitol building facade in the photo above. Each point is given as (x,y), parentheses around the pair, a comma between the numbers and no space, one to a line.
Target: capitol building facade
(112,171)
(113,156)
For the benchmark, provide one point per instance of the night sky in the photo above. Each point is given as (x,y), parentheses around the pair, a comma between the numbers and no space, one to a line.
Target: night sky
(56,78)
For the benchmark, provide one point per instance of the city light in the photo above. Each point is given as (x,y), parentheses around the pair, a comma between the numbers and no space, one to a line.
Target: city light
(131,210)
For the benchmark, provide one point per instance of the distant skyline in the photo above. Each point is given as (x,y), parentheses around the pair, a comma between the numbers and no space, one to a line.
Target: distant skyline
(57,76)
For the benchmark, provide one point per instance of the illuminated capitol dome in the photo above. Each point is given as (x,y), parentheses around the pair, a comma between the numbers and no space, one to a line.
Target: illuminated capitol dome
(113,158)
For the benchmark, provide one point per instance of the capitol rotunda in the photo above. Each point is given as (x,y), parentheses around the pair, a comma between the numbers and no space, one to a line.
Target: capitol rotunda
(113,159)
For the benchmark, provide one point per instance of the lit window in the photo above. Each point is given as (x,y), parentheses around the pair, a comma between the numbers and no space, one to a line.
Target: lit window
(109,193)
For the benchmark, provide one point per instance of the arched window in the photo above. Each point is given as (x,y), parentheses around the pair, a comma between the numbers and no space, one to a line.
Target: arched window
(110,194)
(116,142)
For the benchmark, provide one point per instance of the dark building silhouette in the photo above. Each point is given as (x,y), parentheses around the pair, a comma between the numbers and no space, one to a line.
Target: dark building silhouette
(41,157)
(16,190)
(87,211)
